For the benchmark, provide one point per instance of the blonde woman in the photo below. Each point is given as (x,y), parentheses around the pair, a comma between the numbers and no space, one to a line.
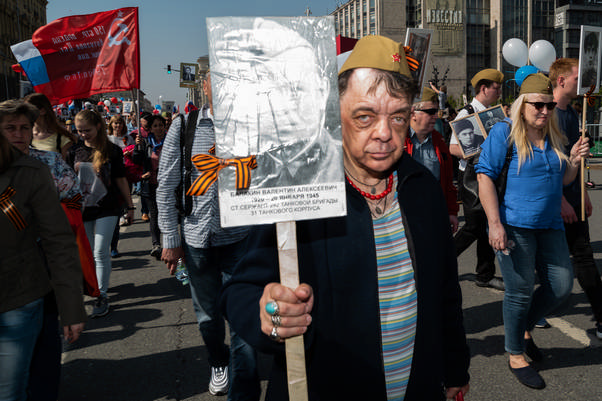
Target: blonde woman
(525,226)
(118,132)
(101,217)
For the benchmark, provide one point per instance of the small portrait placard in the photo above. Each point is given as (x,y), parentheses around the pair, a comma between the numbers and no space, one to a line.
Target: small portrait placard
(419,41)
(187,75)
(128,107)
(469,133)
(491,116)
(589,59)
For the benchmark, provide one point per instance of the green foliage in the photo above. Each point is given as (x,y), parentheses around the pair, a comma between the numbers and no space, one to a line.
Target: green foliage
(453,102)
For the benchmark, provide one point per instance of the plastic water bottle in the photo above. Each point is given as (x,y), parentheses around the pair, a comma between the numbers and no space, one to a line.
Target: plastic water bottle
(182,273)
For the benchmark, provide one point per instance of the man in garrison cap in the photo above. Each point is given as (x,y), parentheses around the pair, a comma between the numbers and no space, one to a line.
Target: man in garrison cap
(427,146)
(361,284)
(488,88)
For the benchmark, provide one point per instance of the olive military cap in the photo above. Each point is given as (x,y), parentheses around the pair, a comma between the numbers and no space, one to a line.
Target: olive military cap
(429,95)
(490,74)
(536,83)
(378,52)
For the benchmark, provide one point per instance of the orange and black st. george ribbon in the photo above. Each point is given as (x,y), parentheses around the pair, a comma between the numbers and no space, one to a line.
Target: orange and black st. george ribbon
(10,209)
(74,202)
(413,63)
(591,99)
(209,166)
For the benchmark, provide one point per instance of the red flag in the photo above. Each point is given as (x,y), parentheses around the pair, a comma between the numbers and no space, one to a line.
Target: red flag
(80,55)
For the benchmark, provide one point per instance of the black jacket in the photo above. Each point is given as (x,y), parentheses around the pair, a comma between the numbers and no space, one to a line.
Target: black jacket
(337,257)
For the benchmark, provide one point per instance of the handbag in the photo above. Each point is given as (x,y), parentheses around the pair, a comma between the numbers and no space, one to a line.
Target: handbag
(470,185)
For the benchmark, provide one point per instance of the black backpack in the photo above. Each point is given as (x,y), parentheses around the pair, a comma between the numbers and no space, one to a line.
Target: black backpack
(186,139)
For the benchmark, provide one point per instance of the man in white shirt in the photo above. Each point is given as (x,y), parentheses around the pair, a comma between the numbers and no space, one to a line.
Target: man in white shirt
(488,87)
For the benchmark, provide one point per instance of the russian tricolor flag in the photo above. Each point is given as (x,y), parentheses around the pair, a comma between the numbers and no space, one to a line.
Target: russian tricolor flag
(32,62)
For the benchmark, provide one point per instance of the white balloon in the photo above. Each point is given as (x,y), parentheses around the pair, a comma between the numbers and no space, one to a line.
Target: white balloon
(542,54)
(107,102)
(515,52)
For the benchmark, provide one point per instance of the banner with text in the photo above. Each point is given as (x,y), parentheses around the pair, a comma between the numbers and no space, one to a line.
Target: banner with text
(78,56)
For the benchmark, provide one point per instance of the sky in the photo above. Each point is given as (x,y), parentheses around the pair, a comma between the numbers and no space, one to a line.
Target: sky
(174,31)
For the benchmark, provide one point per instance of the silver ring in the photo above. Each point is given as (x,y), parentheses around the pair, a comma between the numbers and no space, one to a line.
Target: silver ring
(276,320)
(274,334)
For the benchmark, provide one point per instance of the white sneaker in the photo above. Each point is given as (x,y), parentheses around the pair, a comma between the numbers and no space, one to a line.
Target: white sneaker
(219,380)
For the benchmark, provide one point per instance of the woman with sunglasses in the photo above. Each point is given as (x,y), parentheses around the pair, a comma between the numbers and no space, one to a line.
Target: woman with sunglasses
(525,226)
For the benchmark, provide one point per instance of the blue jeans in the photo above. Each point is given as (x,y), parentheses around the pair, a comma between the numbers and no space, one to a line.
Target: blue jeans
(546,253)
(208,268)
(100,233)
(19,329)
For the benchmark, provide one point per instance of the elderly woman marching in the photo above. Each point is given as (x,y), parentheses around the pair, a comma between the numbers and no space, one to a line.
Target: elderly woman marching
(379,310)
(525,226)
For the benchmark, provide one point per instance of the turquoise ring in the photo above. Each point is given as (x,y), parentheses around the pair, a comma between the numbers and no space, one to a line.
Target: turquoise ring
(272,308)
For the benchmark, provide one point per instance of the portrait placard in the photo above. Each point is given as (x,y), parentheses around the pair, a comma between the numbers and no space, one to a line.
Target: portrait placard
(491,116)
(469,133)
(275,97)
(128,107)
(589,59)
(187,75)
(419,40)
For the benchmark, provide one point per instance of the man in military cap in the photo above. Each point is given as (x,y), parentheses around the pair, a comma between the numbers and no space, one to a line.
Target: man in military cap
(381,319)
(426,145)
(488,88)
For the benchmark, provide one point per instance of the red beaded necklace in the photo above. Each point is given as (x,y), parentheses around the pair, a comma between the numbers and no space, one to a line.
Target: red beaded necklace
(370,196)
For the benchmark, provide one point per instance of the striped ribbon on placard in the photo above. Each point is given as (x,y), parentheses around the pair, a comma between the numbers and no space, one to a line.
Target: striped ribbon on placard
(413,63)
(209,166)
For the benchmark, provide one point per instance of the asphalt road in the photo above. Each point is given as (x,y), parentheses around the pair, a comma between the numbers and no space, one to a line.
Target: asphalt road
(149,348)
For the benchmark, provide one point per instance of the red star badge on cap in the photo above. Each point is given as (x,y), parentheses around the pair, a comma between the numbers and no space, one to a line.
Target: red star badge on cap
(396,57)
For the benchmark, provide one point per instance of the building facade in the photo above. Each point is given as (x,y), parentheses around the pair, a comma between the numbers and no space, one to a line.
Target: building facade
(468,35)
(359,18)
(568,18)
(18,21)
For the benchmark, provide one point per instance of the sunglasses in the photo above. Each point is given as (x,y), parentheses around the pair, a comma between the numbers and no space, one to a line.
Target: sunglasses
(540,105)
(430,112)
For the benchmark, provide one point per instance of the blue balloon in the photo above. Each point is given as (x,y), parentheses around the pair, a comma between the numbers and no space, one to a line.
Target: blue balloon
(157,107)
(524,72)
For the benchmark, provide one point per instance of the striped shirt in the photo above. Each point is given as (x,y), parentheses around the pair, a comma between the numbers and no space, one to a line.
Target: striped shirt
(201,229)
(397,300)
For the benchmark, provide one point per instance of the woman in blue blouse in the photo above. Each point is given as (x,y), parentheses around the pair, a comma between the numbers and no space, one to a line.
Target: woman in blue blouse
(525,226)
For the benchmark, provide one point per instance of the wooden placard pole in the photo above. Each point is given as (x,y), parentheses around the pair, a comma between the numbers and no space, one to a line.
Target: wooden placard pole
(583,119)
(286,233)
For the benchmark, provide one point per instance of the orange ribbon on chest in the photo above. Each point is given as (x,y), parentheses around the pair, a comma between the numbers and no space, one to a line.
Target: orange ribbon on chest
(10,209)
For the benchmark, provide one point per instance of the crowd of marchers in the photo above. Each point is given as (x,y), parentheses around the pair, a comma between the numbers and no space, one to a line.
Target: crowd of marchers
(380,312)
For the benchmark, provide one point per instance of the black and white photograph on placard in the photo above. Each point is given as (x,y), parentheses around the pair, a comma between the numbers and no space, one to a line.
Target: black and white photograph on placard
(187,75)
(419,41)
(128,107)
(589,59)
(490,117)
(469,134)
(275,96)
